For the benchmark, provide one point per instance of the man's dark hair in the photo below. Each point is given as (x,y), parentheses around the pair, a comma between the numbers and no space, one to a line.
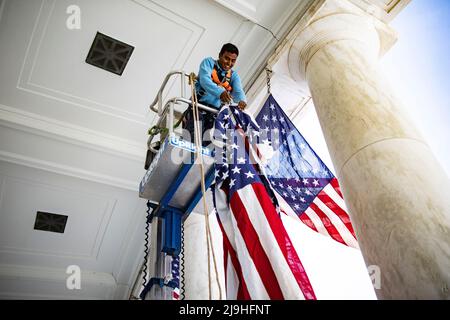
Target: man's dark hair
(229,47)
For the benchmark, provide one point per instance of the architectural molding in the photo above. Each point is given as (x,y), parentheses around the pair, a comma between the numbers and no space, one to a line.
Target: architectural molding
(384,10)
(242,8)
(68,171)
(69,133)
(283,26)
(2,7)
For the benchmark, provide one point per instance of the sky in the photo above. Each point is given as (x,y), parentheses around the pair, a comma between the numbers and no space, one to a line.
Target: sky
(418,69)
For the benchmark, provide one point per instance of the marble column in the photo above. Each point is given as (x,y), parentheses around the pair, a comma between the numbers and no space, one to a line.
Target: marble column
(397,193)
(196,259)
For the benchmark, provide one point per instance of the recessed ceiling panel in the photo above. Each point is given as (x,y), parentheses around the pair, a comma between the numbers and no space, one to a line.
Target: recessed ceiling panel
(109,54)
(51,222)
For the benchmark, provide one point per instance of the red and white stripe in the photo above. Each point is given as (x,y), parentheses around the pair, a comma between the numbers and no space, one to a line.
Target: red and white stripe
(327,215)
(176,294)
(260,260)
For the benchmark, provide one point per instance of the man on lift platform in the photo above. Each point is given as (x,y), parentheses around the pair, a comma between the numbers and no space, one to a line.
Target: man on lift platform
(217,84)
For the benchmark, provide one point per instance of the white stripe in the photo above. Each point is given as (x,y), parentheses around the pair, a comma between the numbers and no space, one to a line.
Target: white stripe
(225,216)
(254,284)
(232,280)
(253,281)
(317,222)
(283,273)
(338,224)
(329,190)
(227,225)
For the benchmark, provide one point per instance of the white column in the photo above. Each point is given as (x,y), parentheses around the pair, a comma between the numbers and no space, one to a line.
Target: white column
(196,259)
(397,193)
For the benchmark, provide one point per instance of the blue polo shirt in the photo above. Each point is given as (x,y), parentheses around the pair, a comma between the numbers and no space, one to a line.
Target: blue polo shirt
(211,90)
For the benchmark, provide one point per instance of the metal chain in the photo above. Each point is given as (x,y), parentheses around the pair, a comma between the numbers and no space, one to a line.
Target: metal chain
(181,282)
(268,75)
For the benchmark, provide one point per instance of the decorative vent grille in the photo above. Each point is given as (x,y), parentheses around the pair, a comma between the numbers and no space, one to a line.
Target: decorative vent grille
(52,222)
(109,54)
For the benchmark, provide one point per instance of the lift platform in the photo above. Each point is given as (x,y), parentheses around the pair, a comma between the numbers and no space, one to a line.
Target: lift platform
(172,178)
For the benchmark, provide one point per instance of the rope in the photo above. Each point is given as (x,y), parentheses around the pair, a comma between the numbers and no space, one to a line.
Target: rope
(199,157)
(209,242)
(156,130)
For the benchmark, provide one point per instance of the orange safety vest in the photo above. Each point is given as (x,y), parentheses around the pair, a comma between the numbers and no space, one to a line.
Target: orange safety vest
(225,83)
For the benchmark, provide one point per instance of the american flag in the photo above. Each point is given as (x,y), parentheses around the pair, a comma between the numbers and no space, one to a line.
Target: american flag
(304,186)
(175,266)
(260,259)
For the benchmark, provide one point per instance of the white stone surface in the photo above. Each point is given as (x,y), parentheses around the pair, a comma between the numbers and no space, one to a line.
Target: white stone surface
(196,259)
(395,189)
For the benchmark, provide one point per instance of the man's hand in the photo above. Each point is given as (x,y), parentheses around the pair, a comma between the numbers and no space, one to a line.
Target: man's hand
(226,97)
(242,105)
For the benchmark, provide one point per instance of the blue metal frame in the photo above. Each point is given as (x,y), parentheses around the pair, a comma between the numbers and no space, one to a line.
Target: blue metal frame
(156,281)
(171,243)
(174,217)
(149,285)
(172,231)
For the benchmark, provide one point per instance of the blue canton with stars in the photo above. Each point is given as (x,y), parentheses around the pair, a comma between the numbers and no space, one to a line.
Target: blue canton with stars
(294,171)
(233,168)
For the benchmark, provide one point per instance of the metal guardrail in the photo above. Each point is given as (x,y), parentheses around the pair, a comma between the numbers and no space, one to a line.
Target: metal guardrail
(182,98)
(158,98)
(168,109)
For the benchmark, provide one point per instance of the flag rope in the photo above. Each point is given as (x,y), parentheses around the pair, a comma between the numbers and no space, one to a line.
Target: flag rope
(197,136)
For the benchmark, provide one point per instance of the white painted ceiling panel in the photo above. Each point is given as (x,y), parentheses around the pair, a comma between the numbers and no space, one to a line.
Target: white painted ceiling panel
(88,216)
(100,220)
(93,87)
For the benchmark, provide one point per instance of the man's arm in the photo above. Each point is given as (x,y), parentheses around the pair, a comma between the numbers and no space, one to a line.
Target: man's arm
(238,92)
(204,78)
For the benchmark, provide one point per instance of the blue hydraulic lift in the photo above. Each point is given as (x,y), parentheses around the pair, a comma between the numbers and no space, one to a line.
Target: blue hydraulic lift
(172,187)
(172,211)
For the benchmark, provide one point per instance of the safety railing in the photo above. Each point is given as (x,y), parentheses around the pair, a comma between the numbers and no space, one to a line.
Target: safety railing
(165,110)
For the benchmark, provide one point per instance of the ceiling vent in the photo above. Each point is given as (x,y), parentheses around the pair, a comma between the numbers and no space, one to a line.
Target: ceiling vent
(109,54)
(52,222)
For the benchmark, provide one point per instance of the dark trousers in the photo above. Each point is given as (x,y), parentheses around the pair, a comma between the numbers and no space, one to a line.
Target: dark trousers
(206,122)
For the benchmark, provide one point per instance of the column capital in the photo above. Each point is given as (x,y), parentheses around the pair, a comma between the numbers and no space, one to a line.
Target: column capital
(329,29)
